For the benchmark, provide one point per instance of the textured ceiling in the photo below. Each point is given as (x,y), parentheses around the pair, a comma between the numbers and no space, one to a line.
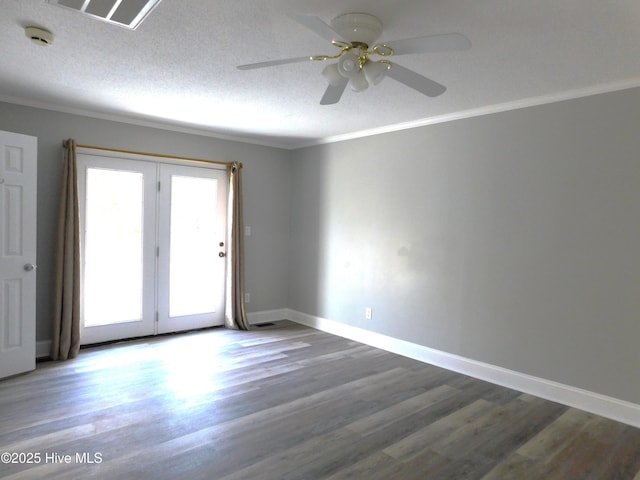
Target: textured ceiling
(178,67)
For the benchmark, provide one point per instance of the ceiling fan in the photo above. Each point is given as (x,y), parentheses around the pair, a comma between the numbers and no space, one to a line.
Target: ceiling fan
(356,64)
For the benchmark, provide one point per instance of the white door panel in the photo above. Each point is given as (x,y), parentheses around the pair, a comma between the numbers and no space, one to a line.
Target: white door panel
(117,245)
(192,226)
(18,167)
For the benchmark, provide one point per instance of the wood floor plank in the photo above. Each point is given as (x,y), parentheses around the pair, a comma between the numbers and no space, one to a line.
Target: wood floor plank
(382,467)
(551,439)
(514,467)
(289,402)
(528,419)
(623,460)
(377,465)
(421,440)
(580,457)
(389,415)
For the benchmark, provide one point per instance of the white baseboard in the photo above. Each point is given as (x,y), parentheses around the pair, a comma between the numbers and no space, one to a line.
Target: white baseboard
(596,403)
(43,349)
(266,316)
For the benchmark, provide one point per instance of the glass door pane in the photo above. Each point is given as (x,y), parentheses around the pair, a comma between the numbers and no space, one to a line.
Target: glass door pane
(193,247)
(113,247)
(191,227)
(117,200)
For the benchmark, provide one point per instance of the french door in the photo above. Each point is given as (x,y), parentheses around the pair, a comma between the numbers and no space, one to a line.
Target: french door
(152,246)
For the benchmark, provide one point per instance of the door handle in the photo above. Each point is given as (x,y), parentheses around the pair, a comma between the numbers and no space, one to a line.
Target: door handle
(222,254)
(30,267)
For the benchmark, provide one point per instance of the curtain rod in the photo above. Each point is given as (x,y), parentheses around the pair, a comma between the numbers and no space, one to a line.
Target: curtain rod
(159,155)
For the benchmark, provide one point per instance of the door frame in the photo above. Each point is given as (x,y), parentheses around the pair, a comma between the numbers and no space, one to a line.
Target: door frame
(158,325)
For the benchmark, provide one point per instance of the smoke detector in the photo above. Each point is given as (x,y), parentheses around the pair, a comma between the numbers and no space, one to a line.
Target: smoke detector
(39,36)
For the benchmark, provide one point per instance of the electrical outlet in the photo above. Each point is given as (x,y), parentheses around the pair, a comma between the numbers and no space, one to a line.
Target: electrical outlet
(247,298)
(367,313)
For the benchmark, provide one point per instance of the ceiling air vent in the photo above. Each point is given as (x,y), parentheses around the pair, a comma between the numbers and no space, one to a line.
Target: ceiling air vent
(124,13)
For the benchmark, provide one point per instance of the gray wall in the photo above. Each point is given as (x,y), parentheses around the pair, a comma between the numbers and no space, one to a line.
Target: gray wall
(511,238)
(266,186)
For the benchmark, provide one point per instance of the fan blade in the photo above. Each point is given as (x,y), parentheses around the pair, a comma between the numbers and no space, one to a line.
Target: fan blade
(317,26)
(447,42)
(333,93)
(416,81)
(273,63)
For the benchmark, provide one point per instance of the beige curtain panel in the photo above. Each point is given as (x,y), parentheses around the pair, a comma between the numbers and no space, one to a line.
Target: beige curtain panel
(235,316)
(66,321)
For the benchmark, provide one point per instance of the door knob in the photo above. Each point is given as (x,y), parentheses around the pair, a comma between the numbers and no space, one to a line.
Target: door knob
(221,254)
(29,267)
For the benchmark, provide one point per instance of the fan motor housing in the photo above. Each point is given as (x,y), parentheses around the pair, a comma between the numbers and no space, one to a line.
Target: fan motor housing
(361,28)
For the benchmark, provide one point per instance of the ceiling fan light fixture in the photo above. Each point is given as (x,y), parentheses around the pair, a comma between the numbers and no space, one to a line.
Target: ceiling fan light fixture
(358,82)
(375,72)
(332,75)
(349,65)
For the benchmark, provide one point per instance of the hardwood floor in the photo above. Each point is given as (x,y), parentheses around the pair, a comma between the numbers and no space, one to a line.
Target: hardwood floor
(290,402)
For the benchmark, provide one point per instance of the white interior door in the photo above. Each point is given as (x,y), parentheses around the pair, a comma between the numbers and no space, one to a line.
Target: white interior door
(18,167)
(152,243)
